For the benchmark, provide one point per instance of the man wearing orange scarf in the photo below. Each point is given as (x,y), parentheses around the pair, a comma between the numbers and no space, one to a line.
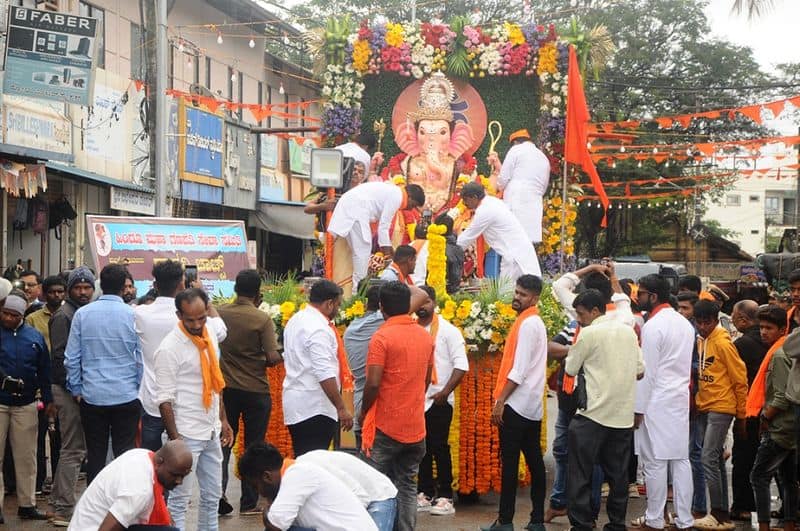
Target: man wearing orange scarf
(403,264)
(777,453)
(129,492)
(189,384)
(316,372)
(518,407)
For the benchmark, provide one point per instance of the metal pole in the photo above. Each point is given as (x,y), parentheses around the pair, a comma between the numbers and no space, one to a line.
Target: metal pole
(797,207)
(162,113)
(563,218)
(413,10)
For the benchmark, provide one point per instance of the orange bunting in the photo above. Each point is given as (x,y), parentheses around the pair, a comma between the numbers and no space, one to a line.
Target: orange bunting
(753,112)
(664,123)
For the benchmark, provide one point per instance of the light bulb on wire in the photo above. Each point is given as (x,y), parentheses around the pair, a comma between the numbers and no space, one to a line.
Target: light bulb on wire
(281,90)
(233,77)
(180,46)
(189,63)
(252,43)
(219,37)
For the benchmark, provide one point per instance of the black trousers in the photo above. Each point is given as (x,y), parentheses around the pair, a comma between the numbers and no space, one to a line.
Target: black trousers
(743,456)
(41,453)
(120,421)
(771,459)
(254,409)
(437,428)
(315,433)
(518,434)
(593,444)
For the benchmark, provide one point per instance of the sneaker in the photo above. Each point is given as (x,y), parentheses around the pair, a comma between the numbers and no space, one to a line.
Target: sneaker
(497,526)
(709,522)
(604,490)
(535,527)
(224,507)
(252,511)
(633,490)
(30,513)
(423,503)
(443,507)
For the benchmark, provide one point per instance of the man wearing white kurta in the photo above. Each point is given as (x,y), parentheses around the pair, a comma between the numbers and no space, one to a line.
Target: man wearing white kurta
(662,404)
(502,232)
(365,204)
(523,179)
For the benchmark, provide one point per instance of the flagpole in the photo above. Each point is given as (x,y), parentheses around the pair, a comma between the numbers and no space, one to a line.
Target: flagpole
(563,217)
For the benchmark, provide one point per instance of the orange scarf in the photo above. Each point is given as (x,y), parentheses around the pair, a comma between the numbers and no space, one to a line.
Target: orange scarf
(507,363)
(209,365)
(160,514)
(789,318)
(400,275)
(286,464)
(758,391)
(434,331)
(345,375)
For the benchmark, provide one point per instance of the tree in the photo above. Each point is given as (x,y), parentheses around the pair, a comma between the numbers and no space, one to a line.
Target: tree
(754,8)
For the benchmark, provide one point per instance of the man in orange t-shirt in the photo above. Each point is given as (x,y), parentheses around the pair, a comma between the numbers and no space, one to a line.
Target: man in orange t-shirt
(399,366)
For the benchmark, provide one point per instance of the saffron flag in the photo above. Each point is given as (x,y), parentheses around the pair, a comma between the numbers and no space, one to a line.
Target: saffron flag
(576,149)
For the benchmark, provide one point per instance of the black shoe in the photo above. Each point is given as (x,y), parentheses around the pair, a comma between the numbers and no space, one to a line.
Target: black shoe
(2,519)
(30,513)
(224,507)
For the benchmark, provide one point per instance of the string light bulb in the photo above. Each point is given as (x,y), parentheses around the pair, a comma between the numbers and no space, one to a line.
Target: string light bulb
(666,164)
(180,46)
(219,37)
(281,90)
(233,77)
(614,164)
(189,62)
(252,43)
(622,149)
(639,165)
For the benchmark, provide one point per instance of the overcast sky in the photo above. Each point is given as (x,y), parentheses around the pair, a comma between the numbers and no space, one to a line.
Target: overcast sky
(773,36)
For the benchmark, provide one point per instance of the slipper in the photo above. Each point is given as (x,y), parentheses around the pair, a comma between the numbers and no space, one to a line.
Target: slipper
(709,523)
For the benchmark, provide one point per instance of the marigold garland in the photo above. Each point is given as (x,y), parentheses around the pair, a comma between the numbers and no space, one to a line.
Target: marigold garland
(437,260)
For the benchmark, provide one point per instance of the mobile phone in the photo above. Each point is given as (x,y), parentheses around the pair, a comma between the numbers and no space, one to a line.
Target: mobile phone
(191,275)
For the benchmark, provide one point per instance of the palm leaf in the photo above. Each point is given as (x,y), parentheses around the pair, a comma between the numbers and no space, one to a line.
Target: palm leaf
(458,60)
(314,41)
(755,8)
(601,49)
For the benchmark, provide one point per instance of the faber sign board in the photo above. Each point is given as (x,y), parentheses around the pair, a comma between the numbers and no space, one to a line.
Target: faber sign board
(50,55)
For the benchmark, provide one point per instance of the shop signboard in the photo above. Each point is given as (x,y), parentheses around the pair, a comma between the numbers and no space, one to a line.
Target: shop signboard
(300,155)
(218,248)
(134,201)
(202,146)
(50,55)
(32,126)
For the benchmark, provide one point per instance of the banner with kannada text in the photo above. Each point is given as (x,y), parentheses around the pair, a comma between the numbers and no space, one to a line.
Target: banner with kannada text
(218,248)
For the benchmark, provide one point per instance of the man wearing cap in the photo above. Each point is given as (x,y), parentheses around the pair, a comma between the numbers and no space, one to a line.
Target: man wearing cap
(24,368)
(523,178)
(80,289)
(5,289)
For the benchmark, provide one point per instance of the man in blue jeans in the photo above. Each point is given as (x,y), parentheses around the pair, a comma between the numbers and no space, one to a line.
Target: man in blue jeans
(305,496)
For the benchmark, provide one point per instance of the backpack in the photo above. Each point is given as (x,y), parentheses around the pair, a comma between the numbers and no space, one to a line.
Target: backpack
(20,222)
(37,213)
(61,212)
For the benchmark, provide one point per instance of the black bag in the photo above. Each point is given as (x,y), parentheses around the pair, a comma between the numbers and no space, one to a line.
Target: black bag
(580,390)
(61,212)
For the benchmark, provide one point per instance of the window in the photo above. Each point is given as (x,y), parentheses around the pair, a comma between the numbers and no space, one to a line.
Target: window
(733,200)
(137,54)
(88,10)
(772,205)
(754,231)
(754,199)
(208,73)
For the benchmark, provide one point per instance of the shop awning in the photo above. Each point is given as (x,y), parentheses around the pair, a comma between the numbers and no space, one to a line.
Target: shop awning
(284,218)
(94,178)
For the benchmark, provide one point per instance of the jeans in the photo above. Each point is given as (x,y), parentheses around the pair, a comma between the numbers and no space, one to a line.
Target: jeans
(254,409)
(400,462)
(714,428)
(437,428)
(383,513)
(558,496)
(590,445)
(120,421)
(772,458)
(73,450)
(207,467)
(744,455)
(518,434)
(152,431)
(699,504)
(311,434)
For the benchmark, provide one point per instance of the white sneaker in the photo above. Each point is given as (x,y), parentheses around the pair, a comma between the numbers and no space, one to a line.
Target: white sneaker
(423,503)
(443,507)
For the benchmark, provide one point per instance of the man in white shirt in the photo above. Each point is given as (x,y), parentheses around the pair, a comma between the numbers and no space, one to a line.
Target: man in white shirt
(302,493)
(315,370)
(600,434)
(367,203)
(189,386)
(153,322)
(502,232)
(403,265)
(128,492)
(523,178)
(359,150)
(420,244)
(375,491)
(450,361)
(519,404)
(594,276)
(662,404)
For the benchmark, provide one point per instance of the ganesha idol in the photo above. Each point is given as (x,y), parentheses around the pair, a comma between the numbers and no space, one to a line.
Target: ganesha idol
(437,143)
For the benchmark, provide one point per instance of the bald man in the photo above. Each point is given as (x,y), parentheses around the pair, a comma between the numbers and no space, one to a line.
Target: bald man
(745,437)
(129,492)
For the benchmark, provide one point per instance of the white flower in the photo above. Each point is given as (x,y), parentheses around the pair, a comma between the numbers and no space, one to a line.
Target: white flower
(555,87)
(469,332)
(544,76)
(416,72)
(476,310)
(556,76)
(556,100)
(555,113)
(493,347)
(486,334)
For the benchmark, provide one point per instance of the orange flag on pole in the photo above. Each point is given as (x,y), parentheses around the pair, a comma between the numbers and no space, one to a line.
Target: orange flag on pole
(576,150)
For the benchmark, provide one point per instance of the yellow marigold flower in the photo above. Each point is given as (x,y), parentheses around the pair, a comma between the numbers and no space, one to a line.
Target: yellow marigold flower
(551,213)
(556,202)
(571,230)
(288,307)
(515,35)
(448,313)
(462,312)
(497,338)
(394,34)
(357,309)
(398,180)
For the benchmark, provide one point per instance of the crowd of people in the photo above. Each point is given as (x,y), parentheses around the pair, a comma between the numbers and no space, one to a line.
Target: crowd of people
(651,384)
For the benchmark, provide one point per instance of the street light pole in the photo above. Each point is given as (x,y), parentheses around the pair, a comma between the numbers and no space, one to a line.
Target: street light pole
(162,177)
